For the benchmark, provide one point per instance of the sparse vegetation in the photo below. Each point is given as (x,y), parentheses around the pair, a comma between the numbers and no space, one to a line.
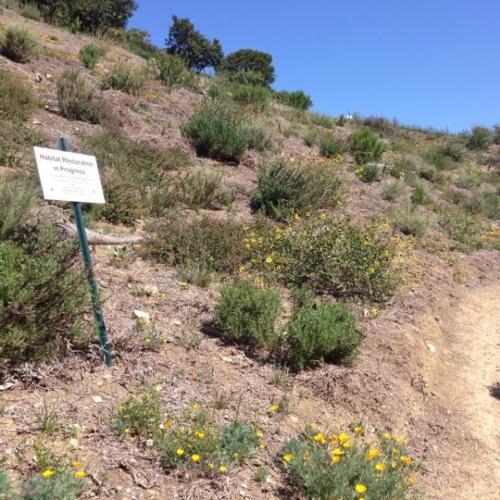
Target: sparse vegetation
(410,221)
(18,44)
(126,78)
(392,190)
(76,97)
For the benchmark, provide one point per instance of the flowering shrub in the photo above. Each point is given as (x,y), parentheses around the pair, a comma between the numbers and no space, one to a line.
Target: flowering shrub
(190,439)
(330,255)
(322,332)
(349,465)
(283,187)
(247,314)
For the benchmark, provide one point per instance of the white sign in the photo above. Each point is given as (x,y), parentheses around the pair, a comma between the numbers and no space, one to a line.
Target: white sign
(69,176)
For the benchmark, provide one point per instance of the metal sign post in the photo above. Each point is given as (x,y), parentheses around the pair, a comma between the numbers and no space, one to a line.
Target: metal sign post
(87,259)
(72,177)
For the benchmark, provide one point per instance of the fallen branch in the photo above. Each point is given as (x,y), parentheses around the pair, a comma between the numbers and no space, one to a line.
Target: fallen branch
(101,239)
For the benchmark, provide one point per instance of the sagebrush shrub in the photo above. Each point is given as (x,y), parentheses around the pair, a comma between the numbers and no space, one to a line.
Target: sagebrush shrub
(18,44)
(392,190)
(254,96)
(463,228)
(368,173)
(203,188)
(283,188)
(479,139)
(445,156)
(76,97)
(259,136)
(365,146)
(247,314)
(311,137)
(331,255)
(125,78)
(212,244)
(16,97)
(320,120)
(171,71)
(218,131)
(42,296)
(330,146)
(323,332)
(420,196)
(410,221)
(90,55)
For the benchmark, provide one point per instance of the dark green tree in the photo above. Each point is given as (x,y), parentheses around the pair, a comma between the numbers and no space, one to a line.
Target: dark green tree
(249,60)
(197,51)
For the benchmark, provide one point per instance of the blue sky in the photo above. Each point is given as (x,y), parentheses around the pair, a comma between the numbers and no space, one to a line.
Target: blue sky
(425,62)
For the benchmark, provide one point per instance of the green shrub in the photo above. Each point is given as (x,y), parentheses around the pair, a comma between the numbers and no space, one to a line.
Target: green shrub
(297,99)
(303,296)
(479,139)
(420,196)
(247,315)
(257,97)
(125,78)
(324,332)
(368,173)
(330,146)
(76,97)
(486,202)
(16,98)
(445,156)
(311,137)
(470,178)
(5,485)
(320,120)
(18,45)
(17,201)
(429,173)
(249,60)
(402,168)
(139,42)
(90,55)
(283,188)
(30,11)
(171,71)
(340,466)
(392,190)
(136,177)
(259,137)
(379,124)
(496,134)
(365,146)
(410,221)
(42,296)
(218,132)
(330,255)
(463,228)
(214,245)
(204,189)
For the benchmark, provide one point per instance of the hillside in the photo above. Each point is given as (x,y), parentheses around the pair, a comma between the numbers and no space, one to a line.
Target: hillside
(405,231)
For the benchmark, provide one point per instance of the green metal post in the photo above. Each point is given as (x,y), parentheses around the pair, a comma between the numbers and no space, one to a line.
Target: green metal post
(87,259)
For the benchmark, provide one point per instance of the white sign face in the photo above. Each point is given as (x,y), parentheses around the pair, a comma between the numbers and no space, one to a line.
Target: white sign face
(69,176)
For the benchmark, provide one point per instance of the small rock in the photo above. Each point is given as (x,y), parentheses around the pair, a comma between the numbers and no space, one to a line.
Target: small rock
(73,443)
(97,399)
(143,316)
(431,347)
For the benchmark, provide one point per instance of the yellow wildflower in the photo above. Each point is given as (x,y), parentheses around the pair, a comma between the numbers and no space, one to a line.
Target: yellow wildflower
(200,435)
(394,464)
(242,269)
(195,458)
(405,460)
(168,424)
(259,434)
(335,459)
(269,259)
(337,452)
(126,430)
(374,312)
(195,406)
(347,444)
(222,469)
(400,439)
(274,407)
(387,436)
(76,464)
(48,473)
(361,488)
(288,457)
(343,438)
(410,480)
(371,270)
(180,452)
(320,438)
(358,430)
(80,474)
(211,466)
(380,467)
(262,446)
(372,453)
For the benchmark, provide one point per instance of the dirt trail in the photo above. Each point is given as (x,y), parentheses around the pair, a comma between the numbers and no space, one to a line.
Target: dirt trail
(475,332)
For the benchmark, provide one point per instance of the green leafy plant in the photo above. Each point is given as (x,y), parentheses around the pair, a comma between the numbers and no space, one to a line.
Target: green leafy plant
(42,296)
(330,146)
(254,96)
(76,97)
(30,11)
(171,71)
(479,139)
(215,245)
(420,196)
(247,314)
(365,146)
(283,188)
(368,173)
(90,55)
(18,44)
(323,332)
(218,132)
(341,466)
(297,99)
(126,78)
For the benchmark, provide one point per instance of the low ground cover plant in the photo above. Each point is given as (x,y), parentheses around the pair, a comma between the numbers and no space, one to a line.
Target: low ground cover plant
(349,465)
(190,439)
(18,44)
(284,188)
(365,146)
